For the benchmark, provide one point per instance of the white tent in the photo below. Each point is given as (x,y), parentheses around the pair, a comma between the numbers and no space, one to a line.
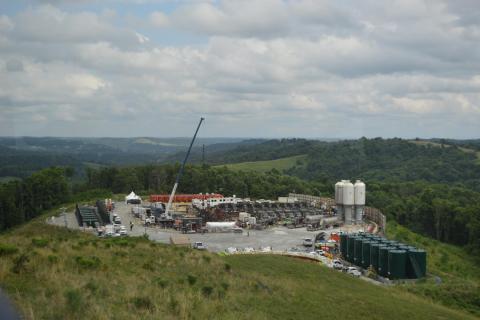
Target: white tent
(132,196)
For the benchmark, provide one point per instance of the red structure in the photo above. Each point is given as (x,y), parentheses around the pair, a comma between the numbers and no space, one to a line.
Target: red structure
(183,197)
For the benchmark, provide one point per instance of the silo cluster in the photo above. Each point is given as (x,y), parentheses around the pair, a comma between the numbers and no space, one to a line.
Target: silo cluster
(350,201)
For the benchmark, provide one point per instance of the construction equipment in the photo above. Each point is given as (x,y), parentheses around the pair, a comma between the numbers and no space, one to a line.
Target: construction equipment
(180,172)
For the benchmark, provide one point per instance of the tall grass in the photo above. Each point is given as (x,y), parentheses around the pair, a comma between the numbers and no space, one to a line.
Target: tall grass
(65,274)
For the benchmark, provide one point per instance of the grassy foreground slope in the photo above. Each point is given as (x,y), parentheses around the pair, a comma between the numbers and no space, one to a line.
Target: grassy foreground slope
(55,273)
(267,165)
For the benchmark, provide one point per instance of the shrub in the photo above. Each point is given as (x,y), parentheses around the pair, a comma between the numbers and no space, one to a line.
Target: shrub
(191,279)
(150,266)
(20,263)
(6,249)
(228,267)
(161,282)
(74,300)
(207,291)
(91,286)
(142,303)
(52,259)
(206,258)
(88,262)
(40,243)
(225,286)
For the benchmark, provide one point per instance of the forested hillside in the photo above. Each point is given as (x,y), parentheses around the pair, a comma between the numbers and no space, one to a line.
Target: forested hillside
(22,156)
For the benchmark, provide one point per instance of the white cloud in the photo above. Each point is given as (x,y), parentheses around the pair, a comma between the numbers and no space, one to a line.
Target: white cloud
(84,84)
(263,67)
(159,19)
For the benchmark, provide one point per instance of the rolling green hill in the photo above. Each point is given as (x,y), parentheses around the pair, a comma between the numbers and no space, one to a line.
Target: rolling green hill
(267,165)
(440,145)
(55,273)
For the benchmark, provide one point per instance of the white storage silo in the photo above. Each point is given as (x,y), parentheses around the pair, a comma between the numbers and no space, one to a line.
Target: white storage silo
(339,198)
(348,201)
(359,188)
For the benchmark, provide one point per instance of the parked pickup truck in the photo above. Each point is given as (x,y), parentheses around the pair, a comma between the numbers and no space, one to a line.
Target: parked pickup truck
(199,246)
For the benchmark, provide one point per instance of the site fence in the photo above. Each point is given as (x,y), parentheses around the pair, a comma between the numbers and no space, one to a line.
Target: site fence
(309,199)
(375,215)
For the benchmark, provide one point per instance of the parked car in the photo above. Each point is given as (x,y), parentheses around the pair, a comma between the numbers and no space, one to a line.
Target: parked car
(248,250)
(307,242)
(266,249)
(354,271)
(199,246)
(123,231)
(337,264)
(231,250)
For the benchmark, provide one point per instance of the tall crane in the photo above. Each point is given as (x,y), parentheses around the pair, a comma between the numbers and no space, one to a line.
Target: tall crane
(179,175)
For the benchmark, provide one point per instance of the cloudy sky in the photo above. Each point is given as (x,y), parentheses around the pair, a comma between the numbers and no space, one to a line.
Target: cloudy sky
(261,68)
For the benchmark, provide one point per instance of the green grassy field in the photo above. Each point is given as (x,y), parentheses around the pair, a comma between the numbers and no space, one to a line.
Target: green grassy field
(54,273)
(264,166)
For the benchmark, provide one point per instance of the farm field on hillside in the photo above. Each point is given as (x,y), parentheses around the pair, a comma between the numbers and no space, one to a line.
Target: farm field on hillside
(264,166)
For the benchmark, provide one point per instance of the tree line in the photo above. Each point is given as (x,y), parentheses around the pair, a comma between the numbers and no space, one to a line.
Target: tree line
(446,212)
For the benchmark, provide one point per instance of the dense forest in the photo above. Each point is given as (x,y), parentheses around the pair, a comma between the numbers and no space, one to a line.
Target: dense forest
(23,200)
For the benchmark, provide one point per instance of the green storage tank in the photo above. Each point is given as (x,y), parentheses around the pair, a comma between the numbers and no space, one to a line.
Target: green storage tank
(343,245)
(397,263)
(350,248)
(357,257)
(383,260)
(383,240)
(366,253)
(374,247)
(416,263)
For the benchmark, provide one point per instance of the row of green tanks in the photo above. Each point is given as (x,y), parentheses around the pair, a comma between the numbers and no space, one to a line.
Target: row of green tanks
(389,258)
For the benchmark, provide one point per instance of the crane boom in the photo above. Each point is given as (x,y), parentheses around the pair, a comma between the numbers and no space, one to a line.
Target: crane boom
(179,175)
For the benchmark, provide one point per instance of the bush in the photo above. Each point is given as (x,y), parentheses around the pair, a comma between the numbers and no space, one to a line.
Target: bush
(20,263)
(228,267)
(92,286)
(6,249)
(40,243)
(225,286)
(88,262)
(161,282)
(150,266)
(207,291)
(191,279)
(52,259)
(142,303)
(74,300)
